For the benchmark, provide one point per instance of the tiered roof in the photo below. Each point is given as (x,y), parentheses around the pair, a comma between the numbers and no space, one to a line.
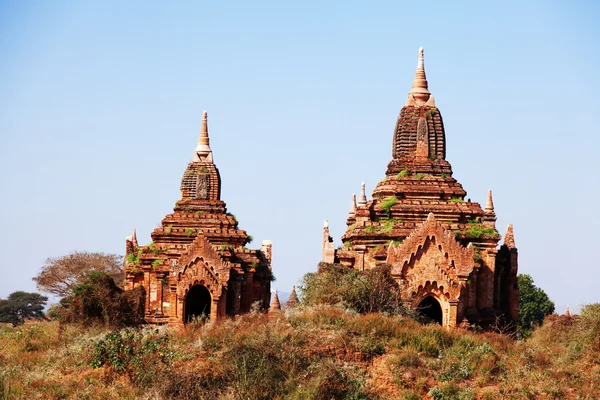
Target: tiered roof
(200,219)
(418,181)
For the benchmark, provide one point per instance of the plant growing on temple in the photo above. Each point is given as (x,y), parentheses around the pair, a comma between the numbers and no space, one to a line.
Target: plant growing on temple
(387,204)
(189,231)
(477,230)
(61,274)
(153,248)
(402,174)
(21,306)
(534,304)
(455,199)
(249,239)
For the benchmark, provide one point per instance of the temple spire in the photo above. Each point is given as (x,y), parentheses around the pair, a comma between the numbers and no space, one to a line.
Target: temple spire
(362,198)
(275,305)
(293,299)
(489,216)
(353,205)
(509,238)
(419,94)
(134,238)
(489,204)
(203,153)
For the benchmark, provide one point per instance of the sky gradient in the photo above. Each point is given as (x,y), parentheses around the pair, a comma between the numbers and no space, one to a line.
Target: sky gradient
(101,105)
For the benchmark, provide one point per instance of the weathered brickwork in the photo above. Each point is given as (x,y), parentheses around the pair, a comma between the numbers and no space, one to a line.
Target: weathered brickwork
(439,244)
(197,263)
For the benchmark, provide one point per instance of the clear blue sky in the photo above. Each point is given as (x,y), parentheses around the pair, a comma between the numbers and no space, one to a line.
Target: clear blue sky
(101,104)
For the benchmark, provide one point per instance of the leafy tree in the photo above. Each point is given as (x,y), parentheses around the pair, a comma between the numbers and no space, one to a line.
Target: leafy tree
(60,275)
(20,306)
(534,304)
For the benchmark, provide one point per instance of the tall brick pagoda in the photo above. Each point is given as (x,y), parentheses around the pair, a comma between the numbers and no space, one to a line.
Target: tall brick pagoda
(442,249)
(198,263)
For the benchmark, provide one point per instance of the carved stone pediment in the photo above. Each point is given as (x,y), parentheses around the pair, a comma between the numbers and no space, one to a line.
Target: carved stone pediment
(431,256)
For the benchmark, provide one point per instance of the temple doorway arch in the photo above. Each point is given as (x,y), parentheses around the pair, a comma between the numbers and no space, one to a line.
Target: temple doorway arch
(197,303)
(431,310)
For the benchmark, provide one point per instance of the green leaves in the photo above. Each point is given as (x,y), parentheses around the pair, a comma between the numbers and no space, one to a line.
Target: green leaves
(534,304)
(21,306)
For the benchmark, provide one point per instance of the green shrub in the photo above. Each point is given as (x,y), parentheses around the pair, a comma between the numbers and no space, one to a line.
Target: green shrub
(139,354)
(373,290)
(100,301)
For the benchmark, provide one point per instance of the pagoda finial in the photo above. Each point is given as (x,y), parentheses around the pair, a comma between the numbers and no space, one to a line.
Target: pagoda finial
(489,216)
(293,299)
(489,204)
(568,312)
(419,94)
(203,153)
(275,305)
(134,238)
(509,237)
(353,205)
(362,198)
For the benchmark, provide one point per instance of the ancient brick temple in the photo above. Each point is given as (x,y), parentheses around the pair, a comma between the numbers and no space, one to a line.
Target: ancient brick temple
(197,263)
(443,249)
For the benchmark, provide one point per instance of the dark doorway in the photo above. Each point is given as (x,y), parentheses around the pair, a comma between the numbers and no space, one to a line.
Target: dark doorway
(197,303)
(431,310)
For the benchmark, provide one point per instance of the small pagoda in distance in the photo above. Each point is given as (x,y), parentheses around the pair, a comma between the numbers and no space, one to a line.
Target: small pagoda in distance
(442,249)
(197,264)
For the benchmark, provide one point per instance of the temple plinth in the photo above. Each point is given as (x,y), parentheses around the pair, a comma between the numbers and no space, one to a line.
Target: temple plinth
(442,248)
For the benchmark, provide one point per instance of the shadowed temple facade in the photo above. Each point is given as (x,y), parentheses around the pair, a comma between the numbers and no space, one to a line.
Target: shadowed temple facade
(443,250)
(197,264)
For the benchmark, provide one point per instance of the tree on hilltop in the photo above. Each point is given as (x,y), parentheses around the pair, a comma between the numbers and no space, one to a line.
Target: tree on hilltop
(20,306)
(60,275)
(534,304)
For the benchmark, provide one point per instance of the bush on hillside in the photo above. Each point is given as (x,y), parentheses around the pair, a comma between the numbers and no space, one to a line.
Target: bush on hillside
(368,291)
(100,301)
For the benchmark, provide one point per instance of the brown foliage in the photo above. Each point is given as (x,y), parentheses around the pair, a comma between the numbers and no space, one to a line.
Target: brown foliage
(60,275)
(99,300)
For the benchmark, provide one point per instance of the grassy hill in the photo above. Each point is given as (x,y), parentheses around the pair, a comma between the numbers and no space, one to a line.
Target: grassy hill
(306,353)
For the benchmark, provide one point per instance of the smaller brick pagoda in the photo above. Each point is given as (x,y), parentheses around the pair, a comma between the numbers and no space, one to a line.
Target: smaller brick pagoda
(197,263)
(442,249)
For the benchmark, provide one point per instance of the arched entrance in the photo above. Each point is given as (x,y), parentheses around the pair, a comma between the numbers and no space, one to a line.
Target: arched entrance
(197,303)
(431,310)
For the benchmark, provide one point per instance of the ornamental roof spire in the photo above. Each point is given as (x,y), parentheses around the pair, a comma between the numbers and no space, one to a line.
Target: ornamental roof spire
(353,205)
(203,153)
(362,198)
(489,204)
(509,237)
(419,94)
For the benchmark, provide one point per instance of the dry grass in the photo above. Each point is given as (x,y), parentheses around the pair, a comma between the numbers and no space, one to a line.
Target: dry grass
(320,352)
